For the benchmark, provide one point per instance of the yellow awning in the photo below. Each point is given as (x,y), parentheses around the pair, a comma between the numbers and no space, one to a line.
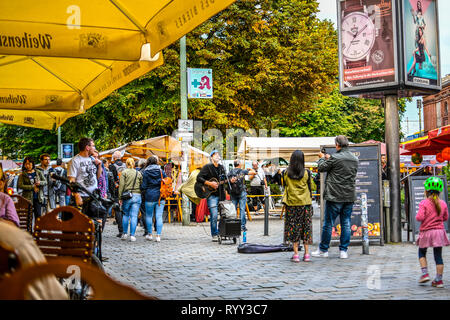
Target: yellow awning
(45,91)
(99,29)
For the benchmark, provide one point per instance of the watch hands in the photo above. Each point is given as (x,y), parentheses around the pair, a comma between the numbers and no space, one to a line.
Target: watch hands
(359,32)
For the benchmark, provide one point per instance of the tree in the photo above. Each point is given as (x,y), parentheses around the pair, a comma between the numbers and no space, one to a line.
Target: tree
(18,142)
(335,114)
(269,58)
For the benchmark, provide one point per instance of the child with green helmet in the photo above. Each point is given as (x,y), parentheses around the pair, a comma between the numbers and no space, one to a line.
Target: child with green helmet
(432,214)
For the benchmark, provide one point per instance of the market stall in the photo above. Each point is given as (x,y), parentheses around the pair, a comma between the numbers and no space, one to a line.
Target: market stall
(263,148)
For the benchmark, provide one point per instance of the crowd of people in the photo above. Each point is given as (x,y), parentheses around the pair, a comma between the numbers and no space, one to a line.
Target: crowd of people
(136,187)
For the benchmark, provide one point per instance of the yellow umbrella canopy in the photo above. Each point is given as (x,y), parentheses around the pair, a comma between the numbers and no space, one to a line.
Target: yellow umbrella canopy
(42,92)
(99,29)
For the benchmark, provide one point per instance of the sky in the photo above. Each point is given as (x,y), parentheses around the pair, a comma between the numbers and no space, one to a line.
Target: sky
(410,123)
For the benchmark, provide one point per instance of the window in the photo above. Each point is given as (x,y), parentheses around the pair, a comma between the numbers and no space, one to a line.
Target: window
(445,108)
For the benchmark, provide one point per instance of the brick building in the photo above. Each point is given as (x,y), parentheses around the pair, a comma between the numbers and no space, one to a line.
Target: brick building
(436,107)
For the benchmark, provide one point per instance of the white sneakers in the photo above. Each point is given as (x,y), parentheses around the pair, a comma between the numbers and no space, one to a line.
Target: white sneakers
(321,254)
(148,237)
(125,236)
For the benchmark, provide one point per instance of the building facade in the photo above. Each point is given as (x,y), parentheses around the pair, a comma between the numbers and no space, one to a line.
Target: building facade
(436,107)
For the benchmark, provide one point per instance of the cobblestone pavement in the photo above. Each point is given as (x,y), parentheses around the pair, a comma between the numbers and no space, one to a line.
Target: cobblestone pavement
(187,265)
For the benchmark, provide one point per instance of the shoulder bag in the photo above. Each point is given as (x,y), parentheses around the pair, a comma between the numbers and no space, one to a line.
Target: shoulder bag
(127,195)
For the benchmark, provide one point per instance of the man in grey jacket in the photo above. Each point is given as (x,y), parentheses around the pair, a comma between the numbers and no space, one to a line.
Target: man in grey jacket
(339,194)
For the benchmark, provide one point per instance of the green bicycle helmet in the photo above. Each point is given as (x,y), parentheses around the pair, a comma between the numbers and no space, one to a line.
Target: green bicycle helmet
(434,184)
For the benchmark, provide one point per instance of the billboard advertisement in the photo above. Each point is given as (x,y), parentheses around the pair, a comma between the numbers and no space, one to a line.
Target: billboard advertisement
(421,43)
(367,45)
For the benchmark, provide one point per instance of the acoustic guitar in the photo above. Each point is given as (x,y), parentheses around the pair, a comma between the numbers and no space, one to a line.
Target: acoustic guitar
(203,191)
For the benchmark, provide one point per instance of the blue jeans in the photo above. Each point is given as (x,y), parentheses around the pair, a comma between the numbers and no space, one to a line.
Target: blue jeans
(213,207)
(153,208)
(332,211)
(130,209)
(241,202)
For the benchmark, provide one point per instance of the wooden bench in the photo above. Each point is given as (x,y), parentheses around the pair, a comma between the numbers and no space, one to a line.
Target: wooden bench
(24,210)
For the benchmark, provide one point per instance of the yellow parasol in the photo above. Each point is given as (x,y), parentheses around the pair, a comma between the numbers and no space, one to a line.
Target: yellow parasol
(99,29)
(44,92)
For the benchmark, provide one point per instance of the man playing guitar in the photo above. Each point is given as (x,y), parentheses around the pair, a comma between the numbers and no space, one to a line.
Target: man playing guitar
(208,172)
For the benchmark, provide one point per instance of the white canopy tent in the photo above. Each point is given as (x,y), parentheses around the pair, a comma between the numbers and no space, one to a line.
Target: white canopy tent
(262,148)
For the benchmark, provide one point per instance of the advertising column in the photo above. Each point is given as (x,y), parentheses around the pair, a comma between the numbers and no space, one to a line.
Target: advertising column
(367,37)
(421,43)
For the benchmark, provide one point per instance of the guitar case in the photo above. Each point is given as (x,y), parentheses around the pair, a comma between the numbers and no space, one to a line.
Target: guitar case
(263,248)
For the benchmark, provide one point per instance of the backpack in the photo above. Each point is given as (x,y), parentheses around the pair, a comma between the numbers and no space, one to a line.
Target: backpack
(236,188)
(57,185)
(119,170)
(166,189)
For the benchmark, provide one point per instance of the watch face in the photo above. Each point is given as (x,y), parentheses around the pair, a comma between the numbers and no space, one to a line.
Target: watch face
(358,36)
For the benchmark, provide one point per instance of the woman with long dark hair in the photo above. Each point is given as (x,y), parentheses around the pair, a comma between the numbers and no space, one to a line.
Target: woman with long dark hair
(297,199)
(29,181)
(419,52)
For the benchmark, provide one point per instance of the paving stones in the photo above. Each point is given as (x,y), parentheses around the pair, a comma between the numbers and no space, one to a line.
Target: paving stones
(187,265)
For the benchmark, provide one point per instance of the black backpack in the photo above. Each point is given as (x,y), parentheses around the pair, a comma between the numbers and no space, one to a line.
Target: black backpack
(238,187)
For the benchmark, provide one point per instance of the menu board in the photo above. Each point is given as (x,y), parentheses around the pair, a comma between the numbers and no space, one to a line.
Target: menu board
(416,195)
(368,181)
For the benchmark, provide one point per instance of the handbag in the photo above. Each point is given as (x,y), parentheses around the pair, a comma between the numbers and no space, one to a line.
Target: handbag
(227,209)
(127,195)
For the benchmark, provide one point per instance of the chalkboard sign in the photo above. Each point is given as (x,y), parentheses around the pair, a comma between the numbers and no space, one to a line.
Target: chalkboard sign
(368,181)
(416,195)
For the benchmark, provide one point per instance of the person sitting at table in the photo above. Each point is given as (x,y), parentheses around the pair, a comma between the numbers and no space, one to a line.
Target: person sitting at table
(7,208)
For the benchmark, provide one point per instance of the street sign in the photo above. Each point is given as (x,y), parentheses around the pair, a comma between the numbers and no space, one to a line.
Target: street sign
(200,83)
(186,125)
(67,150)
(185,136)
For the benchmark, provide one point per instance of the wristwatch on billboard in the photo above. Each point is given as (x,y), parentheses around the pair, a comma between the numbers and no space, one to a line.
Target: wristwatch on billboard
(358,34)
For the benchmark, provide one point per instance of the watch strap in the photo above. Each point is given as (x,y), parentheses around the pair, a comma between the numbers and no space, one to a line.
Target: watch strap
(352,6)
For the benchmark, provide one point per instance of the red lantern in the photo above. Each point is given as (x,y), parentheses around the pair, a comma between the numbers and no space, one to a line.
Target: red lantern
(439,157)
(446,153)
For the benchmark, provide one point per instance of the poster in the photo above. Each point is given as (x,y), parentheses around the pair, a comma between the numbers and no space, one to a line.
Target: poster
(416,195)
(421,38)
(368,181)
(200,83)
(367,50)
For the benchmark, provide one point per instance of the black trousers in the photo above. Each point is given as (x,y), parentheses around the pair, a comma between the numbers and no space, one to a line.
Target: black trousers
(257,190)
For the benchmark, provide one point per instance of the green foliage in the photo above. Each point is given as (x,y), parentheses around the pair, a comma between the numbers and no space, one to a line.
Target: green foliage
(335,114)
(18,142)
(274,66)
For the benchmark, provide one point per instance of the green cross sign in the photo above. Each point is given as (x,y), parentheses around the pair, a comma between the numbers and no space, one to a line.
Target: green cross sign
(195,83)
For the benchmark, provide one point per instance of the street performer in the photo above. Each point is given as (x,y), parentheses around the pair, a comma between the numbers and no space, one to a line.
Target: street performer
(208,172)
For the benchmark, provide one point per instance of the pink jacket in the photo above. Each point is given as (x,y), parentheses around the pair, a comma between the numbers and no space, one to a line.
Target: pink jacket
(428,217)
(7,209)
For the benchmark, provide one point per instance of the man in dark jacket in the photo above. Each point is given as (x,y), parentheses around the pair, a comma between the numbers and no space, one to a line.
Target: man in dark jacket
(116,168)
(339,194)
(217,171)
